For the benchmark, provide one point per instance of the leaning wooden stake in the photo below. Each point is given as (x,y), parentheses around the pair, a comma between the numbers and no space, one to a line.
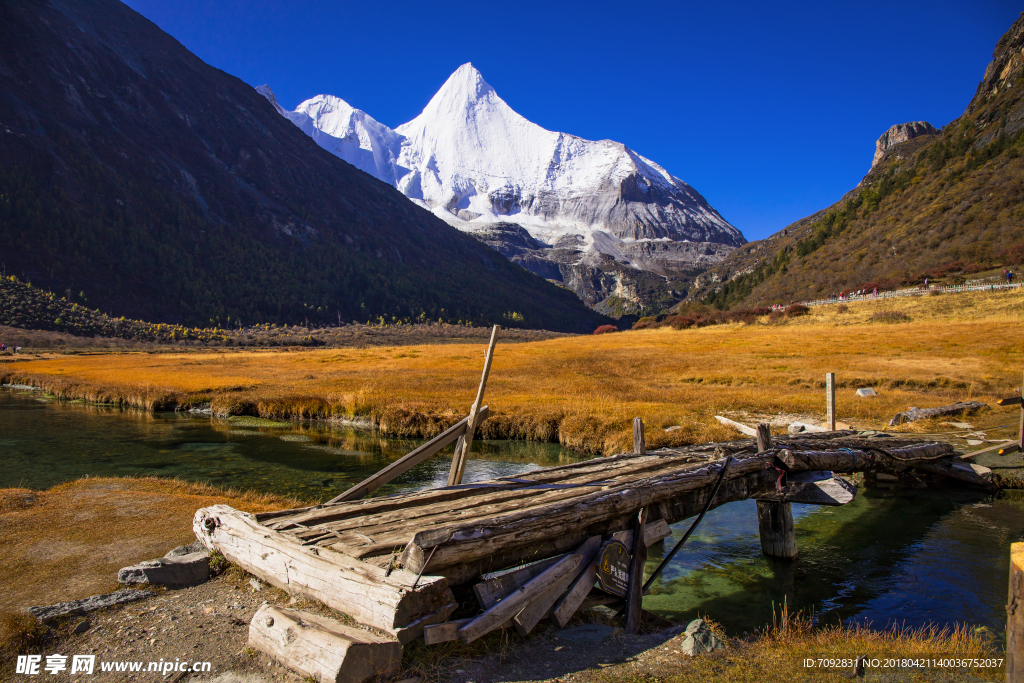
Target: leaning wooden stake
(1015,617)
(459,459)
(774,519)
(830,401)
(1020,437)
(639,446)
(635,593)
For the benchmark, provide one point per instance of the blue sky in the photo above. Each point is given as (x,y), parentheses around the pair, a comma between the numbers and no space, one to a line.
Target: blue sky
(770,110)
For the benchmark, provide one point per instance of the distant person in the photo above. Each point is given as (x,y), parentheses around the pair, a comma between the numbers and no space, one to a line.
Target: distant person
(876,292)
(1009,277)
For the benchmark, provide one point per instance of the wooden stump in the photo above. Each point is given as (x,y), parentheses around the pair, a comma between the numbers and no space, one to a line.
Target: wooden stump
(775,525)
(321,648)
(1015,617)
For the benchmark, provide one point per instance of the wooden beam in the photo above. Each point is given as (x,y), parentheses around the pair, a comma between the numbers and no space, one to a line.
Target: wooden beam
(461,455)
(639,446)
(738,426)
(395,603)
(321,648)
(442,633)
(1008,450)
(997,447)
(407,462)
(635,593)
(763,434)
(491,590)
(541,606)
(830,401)
(1015,617)
(510,606)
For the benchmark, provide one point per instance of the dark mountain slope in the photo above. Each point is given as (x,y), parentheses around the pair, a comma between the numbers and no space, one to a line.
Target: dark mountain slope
(135,176)
(934,206)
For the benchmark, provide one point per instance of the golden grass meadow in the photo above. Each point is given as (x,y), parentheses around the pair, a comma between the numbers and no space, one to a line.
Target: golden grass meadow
(584,391)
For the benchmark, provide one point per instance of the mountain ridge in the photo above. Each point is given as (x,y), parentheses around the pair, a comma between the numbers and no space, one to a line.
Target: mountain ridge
(138,178)
(934,205)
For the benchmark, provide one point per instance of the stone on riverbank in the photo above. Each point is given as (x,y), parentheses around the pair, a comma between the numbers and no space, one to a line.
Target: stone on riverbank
(186,565)
(699,639)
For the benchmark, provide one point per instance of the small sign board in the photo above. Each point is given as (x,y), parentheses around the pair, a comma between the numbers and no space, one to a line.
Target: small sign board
(613,569)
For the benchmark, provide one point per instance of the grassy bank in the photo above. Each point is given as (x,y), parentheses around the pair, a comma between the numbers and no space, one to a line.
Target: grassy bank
(584,391)
(69,541)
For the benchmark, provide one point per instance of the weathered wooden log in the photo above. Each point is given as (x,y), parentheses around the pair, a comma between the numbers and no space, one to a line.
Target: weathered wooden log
(1015,617)
(410,460)
(824,490)
(775,527)
(634,594)
(321,648)
(511,605)
(462,453)
(397,603)
(851,460)
(738,426)
(964,407)
(541,606)
(496,586)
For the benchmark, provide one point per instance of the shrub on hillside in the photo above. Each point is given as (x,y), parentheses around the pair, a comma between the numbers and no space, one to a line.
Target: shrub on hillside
(842,308)
(889,317)
(795,310)
(645,323)
(604,329)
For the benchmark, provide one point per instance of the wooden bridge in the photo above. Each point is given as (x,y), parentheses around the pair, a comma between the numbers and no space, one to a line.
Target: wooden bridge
(392,562)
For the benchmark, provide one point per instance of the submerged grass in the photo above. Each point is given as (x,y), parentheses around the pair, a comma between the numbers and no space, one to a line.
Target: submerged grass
(584,391)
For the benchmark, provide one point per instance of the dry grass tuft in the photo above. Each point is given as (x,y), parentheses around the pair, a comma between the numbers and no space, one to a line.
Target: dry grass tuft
(20,633)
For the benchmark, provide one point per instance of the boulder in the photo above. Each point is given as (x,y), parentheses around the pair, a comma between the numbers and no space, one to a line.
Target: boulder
(186,565)
(699,639)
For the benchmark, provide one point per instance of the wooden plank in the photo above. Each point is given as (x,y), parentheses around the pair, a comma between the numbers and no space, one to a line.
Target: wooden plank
(1008,450)
(511,605)
(639,445)
(541,606)
(997,447)
(491,590)
(408,461)
(461,455)
(578,592)
(635,594)
(1013,401)
(388,602)
(442,633)
(1015,616)
(763,435)
(738,426)
(322,649)
(830,401)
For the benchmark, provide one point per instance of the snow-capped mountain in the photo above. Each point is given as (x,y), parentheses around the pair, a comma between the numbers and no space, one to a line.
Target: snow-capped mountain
(474,162)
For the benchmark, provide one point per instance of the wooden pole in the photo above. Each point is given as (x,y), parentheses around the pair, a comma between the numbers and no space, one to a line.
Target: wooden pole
(639,446)
(830,401)
(774,519)
(635,593)
(1015,617)
(1020,438)
(459,459)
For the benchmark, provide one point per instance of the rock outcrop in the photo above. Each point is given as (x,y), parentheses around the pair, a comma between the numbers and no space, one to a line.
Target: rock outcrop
(901,132)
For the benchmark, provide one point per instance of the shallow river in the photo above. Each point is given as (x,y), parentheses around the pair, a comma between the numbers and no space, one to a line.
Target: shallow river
(913,558)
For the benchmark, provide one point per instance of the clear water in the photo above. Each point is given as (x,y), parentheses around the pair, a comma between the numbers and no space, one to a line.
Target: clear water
(908,557)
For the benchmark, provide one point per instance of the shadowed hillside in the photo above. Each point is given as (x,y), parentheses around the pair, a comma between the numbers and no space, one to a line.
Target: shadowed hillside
(936,206)
(140,180)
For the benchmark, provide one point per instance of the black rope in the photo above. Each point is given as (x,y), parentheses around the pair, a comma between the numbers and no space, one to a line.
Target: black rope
(707,506)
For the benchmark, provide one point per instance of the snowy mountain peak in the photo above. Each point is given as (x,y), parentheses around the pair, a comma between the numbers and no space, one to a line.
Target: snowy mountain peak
(475,162)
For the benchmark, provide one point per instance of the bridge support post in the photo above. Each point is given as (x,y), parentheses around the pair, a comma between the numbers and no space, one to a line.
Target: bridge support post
(775,525)
(774,520)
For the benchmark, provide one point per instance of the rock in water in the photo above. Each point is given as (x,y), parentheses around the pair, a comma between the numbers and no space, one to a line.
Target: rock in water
(699,639)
